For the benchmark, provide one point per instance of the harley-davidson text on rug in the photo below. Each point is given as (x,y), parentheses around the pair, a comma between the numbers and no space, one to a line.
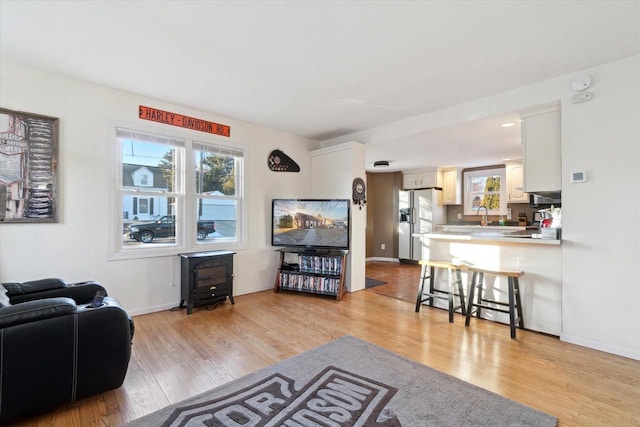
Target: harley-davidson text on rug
(333,398)
(347,382)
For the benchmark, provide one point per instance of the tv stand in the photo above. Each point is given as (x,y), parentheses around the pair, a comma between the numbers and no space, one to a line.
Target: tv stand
(312,270)
(320,251)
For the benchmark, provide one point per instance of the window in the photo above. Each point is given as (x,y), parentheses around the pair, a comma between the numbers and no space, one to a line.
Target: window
(217,196)
(175,194)
(143,206)
(485,188)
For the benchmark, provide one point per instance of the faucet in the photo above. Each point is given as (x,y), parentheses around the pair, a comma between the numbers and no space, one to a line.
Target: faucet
(485,218)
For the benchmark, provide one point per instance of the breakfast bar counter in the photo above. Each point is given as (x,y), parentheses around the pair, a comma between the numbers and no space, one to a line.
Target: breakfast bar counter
(541,285)
(491,237)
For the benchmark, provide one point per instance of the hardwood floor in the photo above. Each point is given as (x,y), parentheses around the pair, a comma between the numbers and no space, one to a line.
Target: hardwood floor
(176,356)
(401,280)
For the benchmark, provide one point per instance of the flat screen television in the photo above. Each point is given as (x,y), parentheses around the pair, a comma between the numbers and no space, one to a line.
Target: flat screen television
(310,223)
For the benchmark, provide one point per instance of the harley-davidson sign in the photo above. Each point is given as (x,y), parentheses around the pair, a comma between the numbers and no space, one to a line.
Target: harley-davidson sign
(333,398)
(174,119)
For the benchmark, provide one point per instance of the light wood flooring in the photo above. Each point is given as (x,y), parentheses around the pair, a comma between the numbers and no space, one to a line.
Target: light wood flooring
(176,356)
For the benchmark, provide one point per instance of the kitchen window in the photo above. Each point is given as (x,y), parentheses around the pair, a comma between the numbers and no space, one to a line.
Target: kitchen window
(173,194)
(485,188)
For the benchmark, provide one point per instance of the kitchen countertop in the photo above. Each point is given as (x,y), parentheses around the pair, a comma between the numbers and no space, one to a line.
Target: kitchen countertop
(478,234)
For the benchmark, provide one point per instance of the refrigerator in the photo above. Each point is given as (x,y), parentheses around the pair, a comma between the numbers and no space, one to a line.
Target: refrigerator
(420,212)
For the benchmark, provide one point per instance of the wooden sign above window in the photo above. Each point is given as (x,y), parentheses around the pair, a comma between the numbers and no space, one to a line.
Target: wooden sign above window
(174,119)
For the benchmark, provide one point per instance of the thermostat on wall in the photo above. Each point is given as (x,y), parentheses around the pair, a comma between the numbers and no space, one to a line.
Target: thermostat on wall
(579,176)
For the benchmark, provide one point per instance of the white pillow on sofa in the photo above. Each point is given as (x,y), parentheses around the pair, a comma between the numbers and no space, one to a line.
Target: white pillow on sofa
(4,299)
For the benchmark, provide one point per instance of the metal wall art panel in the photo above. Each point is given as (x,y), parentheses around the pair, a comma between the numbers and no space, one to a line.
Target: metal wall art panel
(28,167)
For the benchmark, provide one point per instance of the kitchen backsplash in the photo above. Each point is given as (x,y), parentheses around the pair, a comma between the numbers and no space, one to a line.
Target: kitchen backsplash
(452,211)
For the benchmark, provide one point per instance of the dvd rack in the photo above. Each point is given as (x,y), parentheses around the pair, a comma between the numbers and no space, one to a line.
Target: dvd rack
(311,271)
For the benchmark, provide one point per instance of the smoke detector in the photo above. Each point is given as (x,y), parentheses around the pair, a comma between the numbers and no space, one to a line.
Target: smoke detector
(581,83)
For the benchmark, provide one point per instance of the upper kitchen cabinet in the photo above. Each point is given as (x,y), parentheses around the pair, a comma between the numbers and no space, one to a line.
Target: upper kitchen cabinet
(515,183)
(423,179)
(451,186)
(541,149)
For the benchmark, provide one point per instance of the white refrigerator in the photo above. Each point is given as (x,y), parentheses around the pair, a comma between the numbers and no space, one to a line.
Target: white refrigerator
(420,212)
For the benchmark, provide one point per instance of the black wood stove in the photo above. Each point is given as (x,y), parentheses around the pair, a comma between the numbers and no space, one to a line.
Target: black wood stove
(206,278)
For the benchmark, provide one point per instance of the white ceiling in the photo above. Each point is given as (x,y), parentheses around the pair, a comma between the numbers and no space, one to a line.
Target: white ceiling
(324,69)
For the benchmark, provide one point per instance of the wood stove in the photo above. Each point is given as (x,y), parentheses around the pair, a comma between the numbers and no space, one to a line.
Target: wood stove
(206,278)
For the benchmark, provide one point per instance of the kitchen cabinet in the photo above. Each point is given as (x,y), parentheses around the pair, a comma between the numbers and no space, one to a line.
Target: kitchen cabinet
(423,179)
(409,181)
(515,183)
(451,186)
(541,150)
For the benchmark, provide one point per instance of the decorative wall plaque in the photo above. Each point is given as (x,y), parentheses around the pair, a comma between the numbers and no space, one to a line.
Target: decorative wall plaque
(175,119)
(280,162)
(359,192)
(28,167)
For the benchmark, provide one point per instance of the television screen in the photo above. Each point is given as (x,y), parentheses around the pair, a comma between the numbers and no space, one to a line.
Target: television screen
(310,223)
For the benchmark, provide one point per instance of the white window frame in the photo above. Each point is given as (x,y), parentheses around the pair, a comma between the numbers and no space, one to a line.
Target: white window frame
(193,196)
(184,194)
(492,171)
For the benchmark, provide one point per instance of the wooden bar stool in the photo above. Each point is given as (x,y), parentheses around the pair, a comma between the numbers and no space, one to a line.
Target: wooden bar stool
(455,280)
(477,281)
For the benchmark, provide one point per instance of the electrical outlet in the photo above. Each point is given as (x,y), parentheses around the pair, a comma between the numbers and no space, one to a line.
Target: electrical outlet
(383,246)
(459,216)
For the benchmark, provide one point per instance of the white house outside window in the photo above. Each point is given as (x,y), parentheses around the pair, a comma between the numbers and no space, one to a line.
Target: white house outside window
(168,188)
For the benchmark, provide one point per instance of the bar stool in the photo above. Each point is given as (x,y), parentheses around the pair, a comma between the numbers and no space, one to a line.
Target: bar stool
(477,281)
(428,272)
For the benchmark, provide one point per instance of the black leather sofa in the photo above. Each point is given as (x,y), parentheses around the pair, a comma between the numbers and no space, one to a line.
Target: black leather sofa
(56,349)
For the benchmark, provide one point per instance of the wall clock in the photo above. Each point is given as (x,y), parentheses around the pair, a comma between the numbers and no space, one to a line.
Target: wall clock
(359,190)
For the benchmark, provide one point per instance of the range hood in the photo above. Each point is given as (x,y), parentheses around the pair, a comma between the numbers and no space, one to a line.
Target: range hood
(545,199)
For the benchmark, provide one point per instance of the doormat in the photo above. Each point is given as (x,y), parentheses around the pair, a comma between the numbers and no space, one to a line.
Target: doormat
(347,382)
(372,283)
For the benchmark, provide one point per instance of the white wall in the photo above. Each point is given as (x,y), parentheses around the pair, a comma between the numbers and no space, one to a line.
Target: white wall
(601,254)
(600,287)
(76,248)
(333,170)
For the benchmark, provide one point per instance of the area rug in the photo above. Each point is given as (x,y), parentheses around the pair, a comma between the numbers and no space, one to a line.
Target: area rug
(347,382)
(371,283)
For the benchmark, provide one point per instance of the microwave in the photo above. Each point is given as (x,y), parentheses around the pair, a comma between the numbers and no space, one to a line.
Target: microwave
(541,201)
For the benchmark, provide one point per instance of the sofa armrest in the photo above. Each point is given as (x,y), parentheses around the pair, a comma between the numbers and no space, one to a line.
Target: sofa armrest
(104,347)
(109,304)
(33,311)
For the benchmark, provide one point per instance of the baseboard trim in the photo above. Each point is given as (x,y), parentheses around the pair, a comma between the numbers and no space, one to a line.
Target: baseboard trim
(382,259)
(595,345)
(147,310)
